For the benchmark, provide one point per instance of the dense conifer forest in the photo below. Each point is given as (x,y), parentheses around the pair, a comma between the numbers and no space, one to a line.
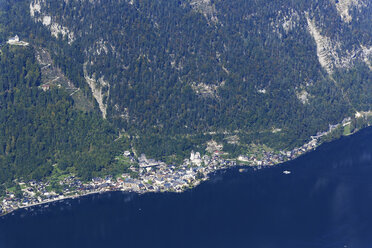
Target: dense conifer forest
(173,75)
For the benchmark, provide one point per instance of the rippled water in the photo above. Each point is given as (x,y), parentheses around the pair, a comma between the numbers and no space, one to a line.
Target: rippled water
(325,202)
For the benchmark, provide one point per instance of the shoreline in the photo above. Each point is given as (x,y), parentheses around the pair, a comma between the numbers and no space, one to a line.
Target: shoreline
(121,187)
(140,192)
(76,196)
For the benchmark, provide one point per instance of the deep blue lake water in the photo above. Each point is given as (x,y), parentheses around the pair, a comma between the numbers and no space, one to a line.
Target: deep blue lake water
(325,202)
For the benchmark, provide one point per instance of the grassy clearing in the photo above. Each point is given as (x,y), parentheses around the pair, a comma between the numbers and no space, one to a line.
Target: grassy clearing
(58,175)
(11,189)
(347,130)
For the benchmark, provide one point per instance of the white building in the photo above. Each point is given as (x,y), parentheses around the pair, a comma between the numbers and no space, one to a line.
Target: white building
(195,158)
(16,42)
(243,158)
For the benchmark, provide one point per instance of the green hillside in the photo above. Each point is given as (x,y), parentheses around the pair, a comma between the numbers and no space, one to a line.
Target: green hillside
(173,75)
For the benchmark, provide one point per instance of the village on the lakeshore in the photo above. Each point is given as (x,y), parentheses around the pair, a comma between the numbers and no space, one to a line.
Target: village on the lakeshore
(151,176)
(148,175)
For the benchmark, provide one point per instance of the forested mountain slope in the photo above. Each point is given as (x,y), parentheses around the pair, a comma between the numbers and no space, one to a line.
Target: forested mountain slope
(175,74)
(218,65)
(39,129)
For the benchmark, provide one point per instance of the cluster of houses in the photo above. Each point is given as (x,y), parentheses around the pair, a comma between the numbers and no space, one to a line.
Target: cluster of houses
(153,176)
(35,193)
(270,158)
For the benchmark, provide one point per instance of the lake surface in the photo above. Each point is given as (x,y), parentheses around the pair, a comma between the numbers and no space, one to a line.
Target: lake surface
(325,202)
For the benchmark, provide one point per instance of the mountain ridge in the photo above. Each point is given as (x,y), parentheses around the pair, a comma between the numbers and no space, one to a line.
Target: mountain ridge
(175,75)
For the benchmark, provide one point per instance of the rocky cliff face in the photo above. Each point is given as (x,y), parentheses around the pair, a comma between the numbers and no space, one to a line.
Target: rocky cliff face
(344,8)
(332,53)
(39,13)
(207,8)
(100,90)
